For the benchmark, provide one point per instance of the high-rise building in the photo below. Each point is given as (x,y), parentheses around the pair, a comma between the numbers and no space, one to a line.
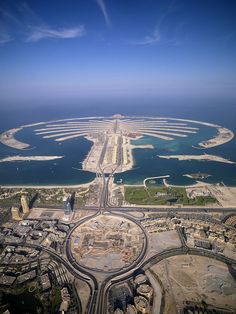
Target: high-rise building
(24,204)
(15,212)
(67,205)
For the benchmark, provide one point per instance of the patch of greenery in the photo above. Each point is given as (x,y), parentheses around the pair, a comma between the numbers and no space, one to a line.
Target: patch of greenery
(163,196)
(40,197)
(55,299)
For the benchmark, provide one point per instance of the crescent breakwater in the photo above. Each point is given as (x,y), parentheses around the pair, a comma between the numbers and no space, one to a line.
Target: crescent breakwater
(8,138)
(223,136)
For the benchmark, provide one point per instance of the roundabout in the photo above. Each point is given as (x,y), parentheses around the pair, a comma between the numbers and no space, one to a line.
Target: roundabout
(107,243)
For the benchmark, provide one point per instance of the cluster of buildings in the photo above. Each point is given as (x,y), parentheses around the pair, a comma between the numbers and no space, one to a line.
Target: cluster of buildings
(201,309)
(230,220)
(17,255)
(45,275)
(200,231)
(24,265)
(49,233)
(143,297)
(19,265)
(192,193)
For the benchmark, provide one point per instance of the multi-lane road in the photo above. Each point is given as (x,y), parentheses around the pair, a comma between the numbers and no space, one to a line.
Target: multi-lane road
(98,299)
(98,304)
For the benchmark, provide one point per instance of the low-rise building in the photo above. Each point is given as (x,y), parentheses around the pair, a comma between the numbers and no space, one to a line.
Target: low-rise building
(131,309)
(65,300)
(6,280)
(26,276)
(140,279)
(118,311)
(203,243)
(142,305)
(64,306)
(45,282)
(145,290)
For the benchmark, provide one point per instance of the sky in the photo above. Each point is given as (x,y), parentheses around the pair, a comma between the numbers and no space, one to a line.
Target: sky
(95,49)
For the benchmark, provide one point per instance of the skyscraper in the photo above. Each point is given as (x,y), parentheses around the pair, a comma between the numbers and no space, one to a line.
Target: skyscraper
(15,212)
(67,205)
(24,204)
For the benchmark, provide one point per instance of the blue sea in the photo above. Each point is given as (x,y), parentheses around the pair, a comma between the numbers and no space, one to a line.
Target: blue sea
(147,164)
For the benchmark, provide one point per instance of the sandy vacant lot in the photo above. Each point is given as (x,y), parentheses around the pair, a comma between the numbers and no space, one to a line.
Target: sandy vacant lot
(196,279)
(159,242)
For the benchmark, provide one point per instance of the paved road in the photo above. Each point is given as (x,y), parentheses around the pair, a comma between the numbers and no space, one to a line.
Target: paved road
(101,303)
(150,262)
(75,271)
(174,210)
(97,303)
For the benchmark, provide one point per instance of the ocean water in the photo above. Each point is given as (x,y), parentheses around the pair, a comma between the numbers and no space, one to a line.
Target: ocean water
(147,163)
(58,171)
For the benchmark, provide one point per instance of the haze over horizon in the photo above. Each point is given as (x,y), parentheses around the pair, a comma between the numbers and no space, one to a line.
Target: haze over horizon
(121,49)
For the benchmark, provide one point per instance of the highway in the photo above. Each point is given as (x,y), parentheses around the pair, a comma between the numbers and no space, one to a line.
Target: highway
(98,299)
(141,263)
(99,294)
(174,209)
(113,280)
(73,268)
(96,302)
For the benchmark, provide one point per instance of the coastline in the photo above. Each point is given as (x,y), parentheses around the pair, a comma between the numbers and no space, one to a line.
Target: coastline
(56,186)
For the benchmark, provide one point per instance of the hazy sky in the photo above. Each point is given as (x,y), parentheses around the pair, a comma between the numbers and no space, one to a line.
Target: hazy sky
(96,48)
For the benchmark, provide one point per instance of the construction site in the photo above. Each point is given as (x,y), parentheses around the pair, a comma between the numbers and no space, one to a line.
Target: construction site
(107,243)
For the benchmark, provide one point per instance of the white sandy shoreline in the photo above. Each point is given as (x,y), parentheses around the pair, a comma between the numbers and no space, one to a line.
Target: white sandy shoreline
(54,186)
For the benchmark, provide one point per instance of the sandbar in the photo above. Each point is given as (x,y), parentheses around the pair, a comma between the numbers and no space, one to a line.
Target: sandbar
(29,158)
(141,146)
(204,157)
